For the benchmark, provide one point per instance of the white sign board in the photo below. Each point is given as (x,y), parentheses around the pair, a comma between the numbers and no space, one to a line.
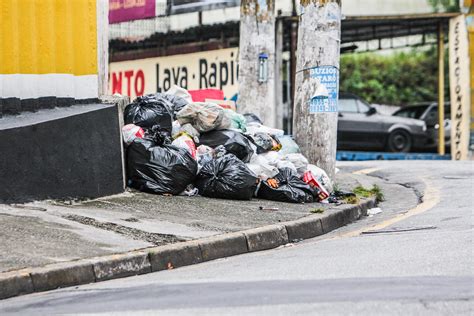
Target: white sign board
(210,69)
(459,87)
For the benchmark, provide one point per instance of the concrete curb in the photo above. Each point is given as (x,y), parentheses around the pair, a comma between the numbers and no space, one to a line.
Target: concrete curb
(53,276)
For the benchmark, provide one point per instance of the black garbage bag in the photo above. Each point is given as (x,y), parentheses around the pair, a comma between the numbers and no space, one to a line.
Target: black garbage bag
(227,178)
(234,142)
(252,118)
(177,103)
(265,142)
(158,136)
(159,169)
(150,110)
(290,188)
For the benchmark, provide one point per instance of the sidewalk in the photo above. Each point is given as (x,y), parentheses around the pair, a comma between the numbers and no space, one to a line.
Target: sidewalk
(54,233)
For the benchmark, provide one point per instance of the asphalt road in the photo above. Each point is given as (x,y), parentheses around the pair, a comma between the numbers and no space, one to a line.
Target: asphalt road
(406,260)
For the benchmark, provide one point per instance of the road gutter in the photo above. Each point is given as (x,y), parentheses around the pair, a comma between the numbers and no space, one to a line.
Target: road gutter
(430,198)
(65,274)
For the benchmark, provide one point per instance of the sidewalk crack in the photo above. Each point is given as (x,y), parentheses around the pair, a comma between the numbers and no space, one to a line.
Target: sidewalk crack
(137,234)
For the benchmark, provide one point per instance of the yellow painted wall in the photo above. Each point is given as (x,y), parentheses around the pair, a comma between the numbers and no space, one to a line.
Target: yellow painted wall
(48,36)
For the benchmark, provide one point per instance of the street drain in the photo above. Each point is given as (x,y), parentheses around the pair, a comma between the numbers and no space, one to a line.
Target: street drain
(397,230)
(137,234)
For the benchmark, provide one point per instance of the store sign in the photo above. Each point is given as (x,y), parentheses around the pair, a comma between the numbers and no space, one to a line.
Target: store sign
(210,69)
(459,87)
(128,10)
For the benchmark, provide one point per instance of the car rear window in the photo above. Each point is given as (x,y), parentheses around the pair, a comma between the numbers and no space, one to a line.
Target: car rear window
(348,105)
(433,113)
(411,112)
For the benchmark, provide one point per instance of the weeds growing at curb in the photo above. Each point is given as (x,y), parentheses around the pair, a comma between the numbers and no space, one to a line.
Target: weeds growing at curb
(366,193)
(378,193)
(351,200)
(318,210)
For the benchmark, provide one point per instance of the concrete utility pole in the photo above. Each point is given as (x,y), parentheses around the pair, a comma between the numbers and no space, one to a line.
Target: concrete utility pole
(293,46)
(279,39)
(317,82)
(257,59)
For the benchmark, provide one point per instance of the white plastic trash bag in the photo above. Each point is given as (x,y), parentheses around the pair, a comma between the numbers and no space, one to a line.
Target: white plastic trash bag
(272,157)
(321,176)
(175,128)
(286,164)
(204,117)
(253,128)
(288,145)
(300,162)
(259,165)
(180,92)
(191,131)
(130,132)
(204,154)
(186,142)
(233,120)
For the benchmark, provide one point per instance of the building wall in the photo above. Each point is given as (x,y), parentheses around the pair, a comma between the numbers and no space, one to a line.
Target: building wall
(147,75)
(384,7)
(51,48)
(179,22)
(54,53)
(210,69)
(349,8)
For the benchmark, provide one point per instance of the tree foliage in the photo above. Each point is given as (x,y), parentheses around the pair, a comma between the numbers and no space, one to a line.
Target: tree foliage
(445,5)
(400,78)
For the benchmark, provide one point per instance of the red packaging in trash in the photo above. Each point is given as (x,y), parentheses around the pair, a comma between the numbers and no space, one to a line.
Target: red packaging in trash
(309,178)
(130,132)
(203,94)
(140,133)
(185,141)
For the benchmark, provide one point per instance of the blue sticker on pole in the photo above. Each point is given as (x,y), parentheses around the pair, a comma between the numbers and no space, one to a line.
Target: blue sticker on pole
(327,93)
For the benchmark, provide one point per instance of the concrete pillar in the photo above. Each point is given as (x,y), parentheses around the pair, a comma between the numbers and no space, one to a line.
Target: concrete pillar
(278,74)
(257,38)
(317,82)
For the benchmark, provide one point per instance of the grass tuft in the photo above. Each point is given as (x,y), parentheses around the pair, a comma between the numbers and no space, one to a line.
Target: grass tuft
(318,210)
(351,200)
(376,191)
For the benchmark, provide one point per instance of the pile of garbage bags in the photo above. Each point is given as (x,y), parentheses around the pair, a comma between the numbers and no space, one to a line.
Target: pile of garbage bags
(180,147)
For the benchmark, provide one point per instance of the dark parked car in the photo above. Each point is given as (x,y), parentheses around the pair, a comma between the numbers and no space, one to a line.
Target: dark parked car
(428,112)
(361,127)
